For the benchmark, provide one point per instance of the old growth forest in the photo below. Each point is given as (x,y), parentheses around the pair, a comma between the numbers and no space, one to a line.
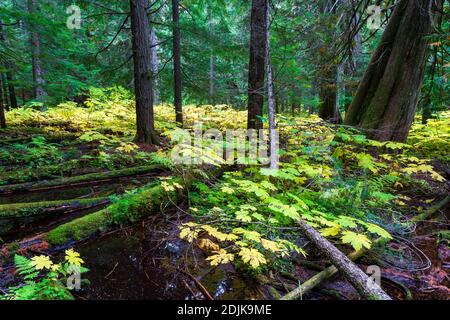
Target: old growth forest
(224,150)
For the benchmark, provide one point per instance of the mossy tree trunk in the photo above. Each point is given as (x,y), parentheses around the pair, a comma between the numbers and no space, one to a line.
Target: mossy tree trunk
(387,96)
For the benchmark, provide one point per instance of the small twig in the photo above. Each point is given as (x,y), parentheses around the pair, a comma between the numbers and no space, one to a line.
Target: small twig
(112,270)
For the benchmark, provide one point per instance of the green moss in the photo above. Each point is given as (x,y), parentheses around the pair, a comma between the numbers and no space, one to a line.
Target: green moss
(80,228)
(18,210)
(129,208)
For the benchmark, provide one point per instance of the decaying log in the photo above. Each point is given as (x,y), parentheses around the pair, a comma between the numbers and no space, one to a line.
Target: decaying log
(132,208)
(431,211)
(77,181)
(362,283)
(24,210)
(18,214)
(323,275)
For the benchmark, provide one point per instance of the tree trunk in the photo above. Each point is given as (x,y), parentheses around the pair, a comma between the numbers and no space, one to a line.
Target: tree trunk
(257,64)
(211,64)
(9,77)
(352,65)
(328,92)
(11,89)
(328,70)
(273,136)
(2,111)
(427,100)
(386,100)
(142,77)
(5,92)
(426,109)
(38,78)
(177,63)
(155,66)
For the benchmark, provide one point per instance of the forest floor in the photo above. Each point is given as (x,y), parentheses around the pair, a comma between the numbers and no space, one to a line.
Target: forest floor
(234,235)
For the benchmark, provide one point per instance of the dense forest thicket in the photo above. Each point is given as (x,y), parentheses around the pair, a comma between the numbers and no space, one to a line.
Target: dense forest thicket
(204,150)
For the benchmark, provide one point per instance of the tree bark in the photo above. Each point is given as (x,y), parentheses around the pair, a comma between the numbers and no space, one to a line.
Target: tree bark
(38,73)
(273,136)
(178,98)
(6,102)
(9,77)
(145,126)
(155,66)
(323,275)
(11,89)
(211,64)
(387,96)
(328,71)
(328,93)
(2,110)
(257,64)
(427,107)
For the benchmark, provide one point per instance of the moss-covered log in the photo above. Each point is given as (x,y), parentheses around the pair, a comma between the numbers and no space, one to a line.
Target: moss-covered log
(23,210)
(82,180)
(431,211)
(55,137)
(129,208)
(15,215)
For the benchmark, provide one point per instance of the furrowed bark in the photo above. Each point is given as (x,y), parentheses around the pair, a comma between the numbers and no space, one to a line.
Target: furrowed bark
(362,283)
(323,275)
(145,124)
(387,96)
(83,180)
(257,64)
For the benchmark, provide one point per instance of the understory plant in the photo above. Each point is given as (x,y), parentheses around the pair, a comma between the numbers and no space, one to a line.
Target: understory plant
(45,280)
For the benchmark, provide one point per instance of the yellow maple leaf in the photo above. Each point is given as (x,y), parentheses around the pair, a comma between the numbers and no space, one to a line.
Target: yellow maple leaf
(221,257)
(73,257)
(41,262)
(252,257)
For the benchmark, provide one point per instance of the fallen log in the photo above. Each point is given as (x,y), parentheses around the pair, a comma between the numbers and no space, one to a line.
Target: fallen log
(431,211)
(18,214)
(323,275)
(77,181)
(25,210)
(362,283)
(50,138)
(130,208)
